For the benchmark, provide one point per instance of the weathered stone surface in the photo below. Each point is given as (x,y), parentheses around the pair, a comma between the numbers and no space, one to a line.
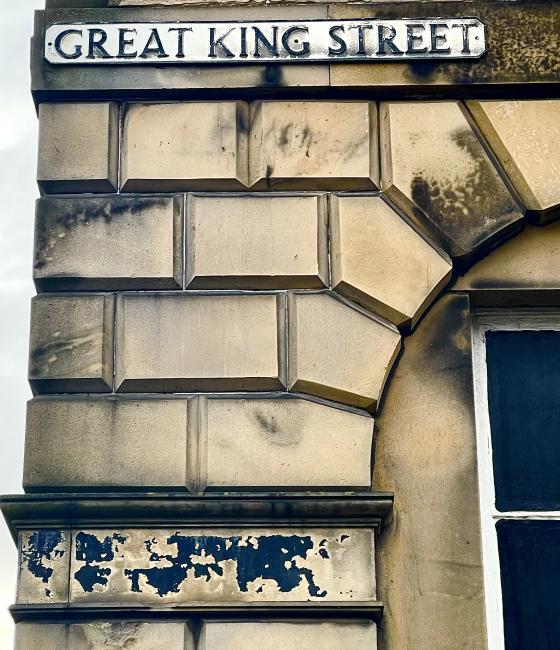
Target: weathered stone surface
(181,342)
(71,344)
(313,145)
(338,352)
(301,635)
(109,242)
(524,270)
(179,566)
(285,444)
(103,635)
(525,136)
(256,241)
(78,147)
(429,560)
(99,443)
(437,172)
(44,562)
(379,261)
(32,636)
(132,635)
(184,146)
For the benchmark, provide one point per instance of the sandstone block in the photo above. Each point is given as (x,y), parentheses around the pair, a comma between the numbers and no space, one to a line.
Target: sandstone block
(109,242)
(185,146)
(71,343)
(177,566)
(313,145)
(44,562)
(379,261)
(435,169)
(182,342)
(46,636)
(525,136)
(300,635)
(132,635)
(97,443)
(287,443)
(256,241)
(78,147)
(338,352)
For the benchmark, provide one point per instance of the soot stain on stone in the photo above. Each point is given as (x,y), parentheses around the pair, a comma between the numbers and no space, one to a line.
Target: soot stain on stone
(42,547)
(272,76)
(275,434)
(93,551)
(81,346)
(468,209)
(271,557)
(58,217)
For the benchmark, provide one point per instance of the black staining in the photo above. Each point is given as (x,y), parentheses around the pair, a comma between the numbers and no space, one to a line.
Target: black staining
(323,551)
(530,572)
(524,408)
(275,434)
(42,548)
(424,71)
(271,557)
(468,208)
(56,218)
(272,75)
(343,537)
(93,551)
(292,137)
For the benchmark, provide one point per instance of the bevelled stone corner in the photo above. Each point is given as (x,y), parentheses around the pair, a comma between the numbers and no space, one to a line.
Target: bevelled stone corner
(184,146)
(108,243)
(313,145)
(525,136)
(256,242)
(44,562)
(108,634)
(174,566)
(379,261)
(435,169)
(285,443)
(78,147)
(182,342)
(99,443)
(273,635)
(71,343)
(338,352)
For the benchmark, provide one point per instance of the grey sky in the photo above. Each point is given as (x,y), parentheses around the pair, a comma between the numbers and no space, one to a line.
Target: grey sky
(18,133)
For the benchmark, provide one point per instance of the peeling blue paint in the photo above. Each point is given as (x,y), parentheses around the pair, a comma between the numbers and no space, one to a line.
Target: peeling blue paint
(91,550)
(41,547)
(266,557)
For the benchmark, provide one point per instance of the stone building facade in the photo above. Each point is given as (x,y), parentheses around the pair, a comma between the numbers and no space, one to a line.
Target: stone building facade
(253,422)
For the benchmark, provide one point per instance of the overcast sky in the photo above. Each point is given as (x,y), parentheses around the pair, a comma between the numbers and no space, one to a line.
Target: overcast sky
(18,191)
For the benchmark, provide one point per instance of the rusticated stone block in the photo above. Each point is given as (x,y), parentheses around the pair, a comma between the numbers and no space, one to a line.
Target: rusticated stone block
(256,241)
(525,136)
(181,342)
(78,147)
(105,443)
(109,242)
(71,344)
(338,352)
(272,635)
(176,566)
(288,443)
(313,145)
(435,169)
(185,146)
(44,562)
(379,261)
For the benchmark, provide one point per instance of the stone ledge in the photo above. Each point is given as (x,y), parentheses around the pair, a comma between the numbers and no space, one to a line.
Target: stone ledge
(48,510)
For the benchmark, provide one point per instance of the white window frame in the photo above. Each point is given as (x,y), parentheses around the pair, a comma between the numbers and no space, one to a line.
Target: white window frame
(482,322)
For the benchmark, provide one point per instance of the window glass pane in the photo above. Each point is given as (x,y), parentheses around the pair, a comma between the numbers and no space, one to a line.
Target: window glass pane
(530,570)
(524,409)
